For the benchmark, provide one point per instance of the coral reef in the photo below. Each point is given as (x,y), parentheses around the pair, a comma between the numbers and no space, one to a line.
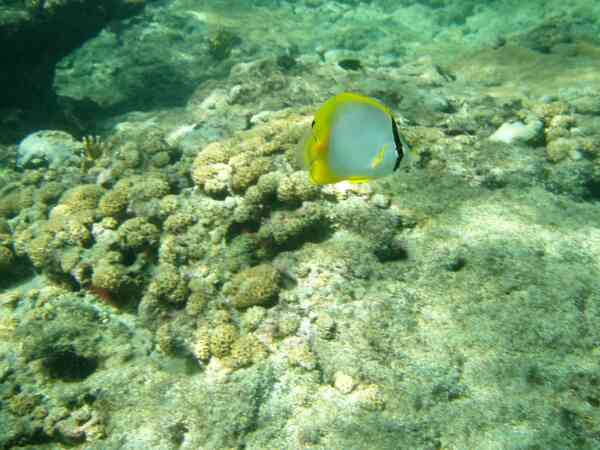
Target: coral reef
(189,287)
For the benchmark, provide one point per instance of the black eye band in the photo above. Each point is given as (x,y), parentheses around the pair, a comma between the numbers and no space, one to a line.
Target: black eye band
(312,125)
(398,142)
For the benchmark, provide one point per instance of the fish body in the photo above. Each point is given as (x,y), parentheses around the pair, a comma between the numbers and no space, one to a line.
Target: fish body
(352,137)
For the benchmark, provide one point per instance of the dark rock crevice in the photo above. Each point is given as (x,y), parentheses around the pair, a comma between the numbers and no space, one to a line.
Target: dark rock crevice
(35,35)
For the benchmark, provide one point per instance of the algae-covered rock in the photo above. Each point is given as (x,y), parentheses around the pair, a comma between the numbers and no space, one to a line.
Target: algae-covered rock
(49,148)
(297,188)
(6,258)
(109,276)
(290,229)
(255,286)
(114,202)
(178,223)
(299,354)
(555,31)
(561,148)
(50,192)
(39,249)
(247,350)
(222,338)
(253,317)
(169,285)
(215,178)
(153,185)
(517,132)
(201,345)
(247,169)
(288,324)
(588,104)
(138,233)
(16,201)
(82,197)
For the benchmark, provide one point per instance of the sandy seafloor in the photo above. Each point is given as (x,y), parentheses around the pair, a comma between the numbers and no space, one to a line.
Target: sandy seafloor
(176,282)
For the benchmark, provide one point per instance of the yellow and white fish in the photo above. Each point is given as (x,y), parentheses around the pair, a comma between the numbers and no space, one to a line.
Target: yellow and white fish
(352,137)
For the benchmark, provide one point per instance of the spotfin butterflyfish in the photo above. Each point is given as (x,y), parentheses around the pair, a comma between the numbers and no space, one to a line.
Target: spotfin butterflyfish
(354,138)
